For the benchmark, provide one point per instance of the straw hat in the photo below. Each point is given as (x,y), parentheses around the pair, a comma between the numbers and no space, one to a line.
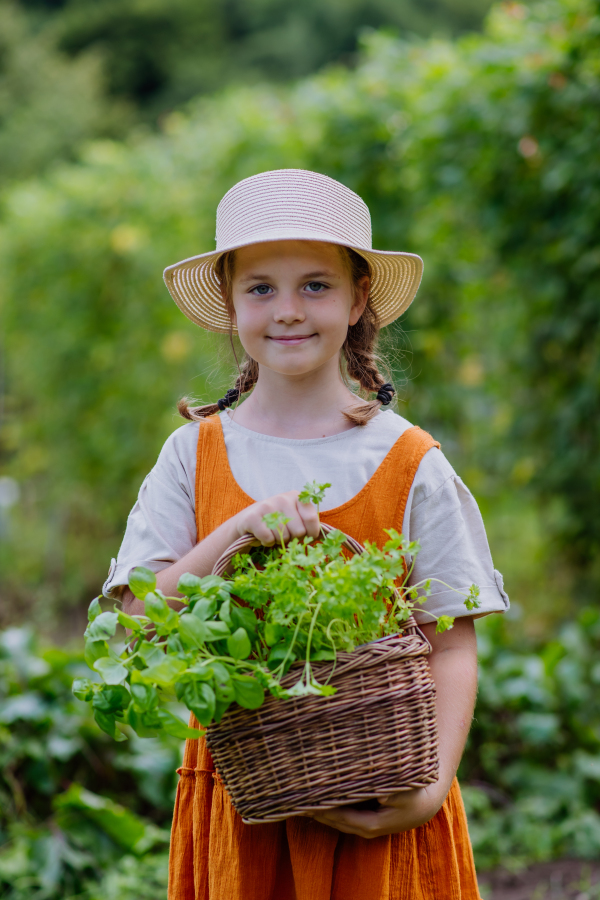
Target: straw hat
(291,204)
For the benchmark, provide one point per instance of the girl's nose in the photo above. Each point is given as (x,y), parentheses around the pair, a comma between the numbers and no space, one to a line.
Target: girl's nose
(288,309)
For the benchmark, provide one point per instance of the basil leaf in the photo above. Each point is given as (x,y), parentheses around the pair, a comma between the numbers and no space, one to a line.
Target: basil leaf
(156,607)
(112,672)
(242,617)
(94,650)
(239,644)
(201,699)
(189,584)
(205,609)
(174,726)
(164,673)
(111,699)
(141,581)
(103,627)
(145,697)
(83,689)
(248,692)
(94,609)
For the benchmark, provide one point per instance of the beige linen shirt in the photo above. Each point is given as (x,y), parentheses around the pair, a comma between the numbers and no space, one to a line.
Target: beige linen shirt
(441,513)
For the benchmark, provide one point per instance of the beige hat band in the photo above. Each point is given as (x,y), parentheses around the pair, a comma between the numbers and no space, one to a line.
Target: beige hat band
(291,204)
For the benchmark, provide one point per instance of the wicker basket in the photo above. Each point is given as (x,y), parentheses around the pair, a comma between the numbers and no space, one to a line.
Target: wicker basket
(375,736)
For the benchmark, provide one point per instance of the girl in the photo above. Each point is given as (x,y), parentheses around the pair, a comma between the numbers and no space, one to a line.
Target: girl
(294,274)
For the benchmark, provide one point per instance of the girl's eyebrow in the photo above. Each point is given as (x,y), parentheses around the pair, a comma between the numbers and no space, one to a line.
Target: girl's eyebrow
(306,277)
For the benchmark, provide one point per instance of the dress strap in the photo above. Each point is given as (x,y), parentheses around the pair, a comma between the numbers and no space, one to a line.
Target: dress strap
(218,496)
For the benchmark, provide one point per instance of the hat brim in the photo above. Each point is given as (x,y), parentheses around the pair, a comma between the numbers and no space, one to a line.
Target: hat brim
(195,288)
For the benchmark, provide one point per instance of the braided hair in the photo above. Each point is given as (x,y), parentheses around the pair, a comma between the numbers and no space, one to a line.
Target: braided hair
(360,362)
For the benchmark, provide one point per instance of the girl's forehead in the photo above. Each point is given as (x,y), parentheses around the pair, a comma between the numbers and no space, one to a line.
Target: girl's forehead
(276,253)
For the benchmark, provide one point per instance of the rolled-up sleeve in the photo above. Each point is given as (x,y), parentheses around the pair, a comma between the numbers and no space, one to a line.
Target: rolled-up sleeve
(161,527)
(445,519)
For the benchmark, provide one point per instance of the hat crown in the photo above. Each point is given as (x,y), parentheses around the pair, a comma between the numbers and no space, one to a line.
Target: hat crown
(292,204)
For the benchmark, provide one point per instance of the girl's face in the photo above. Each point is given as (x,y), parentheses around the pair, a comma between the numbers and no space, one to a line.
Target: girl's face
(293,303)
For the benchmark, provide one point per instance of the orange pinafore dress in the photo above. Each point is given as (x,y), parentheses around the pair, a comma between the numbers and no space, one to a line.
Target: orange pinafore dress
(214,856)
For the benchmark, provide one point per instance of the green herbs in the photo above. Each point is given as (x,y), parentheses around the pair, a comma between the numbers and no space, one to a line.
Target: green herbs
(311,601)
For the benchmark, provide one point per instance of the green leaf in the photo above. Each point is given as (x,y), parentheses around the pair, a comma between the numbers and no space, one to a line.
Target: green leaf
(135,623)
(174,726)
(242,617)
(145,697)
(83,689)
(225,612)
(444,623)
(141,581)
(215,631)
(137,720)
(94,650)
(313,493)
(189,584)
(124,827)
(112,672)
(107,723)
(273,633)
(94,609)
(150,653)
(239,644)
(164,673)
(200,698)
(103,627)
(111,698)
(275,521)
(278,654)
(156,607)
(205,608)
(192,631)
(248,692)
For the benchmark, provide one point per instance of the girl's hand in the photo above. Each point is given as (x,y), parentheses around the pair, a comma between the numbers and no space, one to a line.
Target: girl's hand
(399,812)
(303,519)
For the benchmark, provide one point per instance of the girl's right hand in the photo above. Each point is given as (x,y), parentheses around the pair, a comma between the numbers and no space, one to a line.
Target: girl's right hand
(303,519)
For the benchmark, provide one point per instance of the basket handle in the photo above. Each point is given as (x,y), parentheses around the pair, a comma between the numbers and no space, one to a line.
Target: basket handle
(247,541)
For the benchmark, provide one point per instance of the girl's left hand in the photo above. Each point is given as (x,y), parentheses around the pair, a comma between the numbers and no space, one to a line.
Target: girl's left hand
(399,812)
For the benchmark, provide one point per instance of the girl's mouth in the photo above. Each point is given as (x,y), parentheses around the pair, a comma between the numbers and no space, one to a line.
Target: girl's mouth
(290,340)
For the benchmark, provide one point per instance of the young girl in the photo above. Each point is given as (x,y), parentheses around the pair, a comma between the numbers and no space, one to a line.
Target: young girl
(294,274)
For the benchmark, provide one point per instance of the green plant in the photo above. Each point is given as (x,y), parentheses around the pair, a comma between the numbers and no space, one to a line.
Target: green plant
(76,809)
(215,651)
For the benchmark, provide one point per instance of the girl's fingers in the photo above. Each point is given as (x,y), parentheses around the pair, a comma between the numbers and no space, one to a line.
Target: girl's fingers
(310,518)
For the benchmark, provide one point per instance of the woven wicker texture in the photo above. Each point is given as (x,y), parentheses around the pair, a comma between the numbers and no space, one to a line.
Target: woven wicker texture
(377,735)
(291,204)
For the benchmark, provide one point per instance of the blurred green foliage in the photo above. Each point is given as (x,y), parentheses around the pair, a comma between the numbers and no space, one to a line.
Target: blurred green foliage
(479,154)
(159,54)
(49,104)
(531,770)
(81,815)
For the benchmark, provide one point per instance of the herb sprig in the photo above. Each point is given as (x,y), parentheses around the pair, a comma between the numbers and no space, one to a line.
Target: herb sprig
(216,651)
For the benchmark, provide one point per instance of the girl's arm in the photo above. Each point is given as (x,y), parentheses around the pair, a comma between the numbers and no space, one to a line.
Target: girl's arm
(453,663)
(303,520)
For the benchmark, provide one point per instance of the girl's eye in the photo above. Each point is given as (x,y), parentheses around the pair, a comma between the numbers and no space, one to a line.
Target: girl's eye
(315,287)
(261,289)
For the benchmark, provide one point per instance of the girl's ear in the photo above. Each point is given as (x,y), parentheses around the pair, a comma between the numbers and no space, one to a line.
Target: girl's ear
(361,296)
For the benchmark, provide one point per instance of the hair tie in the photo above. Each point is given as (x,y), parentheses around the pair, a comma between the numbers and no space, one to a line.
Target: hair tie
(386,393)
(230,397)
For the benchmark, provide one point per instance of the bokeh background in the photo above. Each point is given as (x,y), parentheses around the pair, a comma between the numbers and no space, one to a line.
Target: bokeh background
(472,132)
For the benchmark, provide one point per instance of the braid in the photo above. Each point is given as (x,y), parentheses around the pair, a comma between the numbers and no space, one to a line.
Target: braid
(247,371)
(359,351)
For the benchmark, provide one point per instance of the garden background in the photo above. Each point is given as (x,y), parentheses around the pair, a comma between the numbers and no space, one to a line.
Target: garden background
(475,143)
